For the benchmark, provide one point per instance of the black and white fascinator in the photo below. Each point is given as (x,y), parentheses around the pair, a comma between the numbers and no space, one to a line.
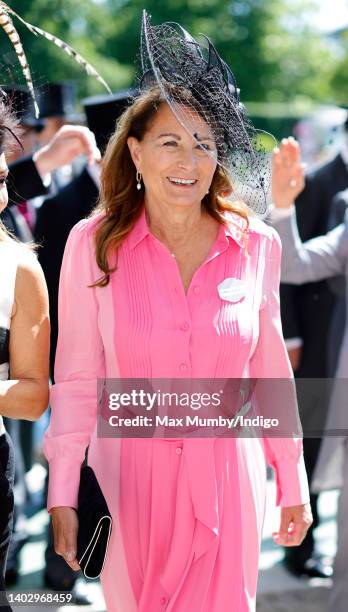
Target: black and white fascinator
(193,78)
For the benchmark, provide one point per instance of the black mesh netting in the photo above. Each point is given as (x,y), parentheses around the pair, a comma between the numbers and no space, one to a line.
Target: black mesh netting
(194,79)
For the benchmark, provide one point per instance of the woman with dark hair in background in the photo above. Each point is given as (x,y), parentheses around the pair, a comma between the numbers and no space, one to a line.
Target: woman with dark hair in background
(24,343)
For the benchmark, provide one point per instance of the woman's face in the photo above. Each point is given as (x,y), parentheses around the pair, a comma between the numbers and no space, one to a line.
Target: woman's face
(3,177)
(168,154)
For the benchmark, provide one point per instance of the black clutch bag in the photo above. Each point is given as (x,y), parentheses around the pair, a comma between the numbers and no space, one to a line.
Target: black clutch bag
(95,524)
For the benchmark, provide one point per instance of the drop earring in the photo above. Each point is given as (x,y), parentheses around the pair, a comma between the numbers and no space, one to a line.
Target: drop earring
(138,179)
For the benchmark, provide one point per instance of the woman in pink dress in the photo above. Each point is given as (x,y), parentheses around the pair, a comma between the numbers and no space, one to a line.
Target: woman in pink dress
(141,297)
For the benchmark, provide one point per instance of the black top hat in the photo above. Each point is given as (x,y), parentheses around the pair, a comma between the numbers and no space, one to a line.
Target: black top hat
(21,103)
(103,111)
(58,100)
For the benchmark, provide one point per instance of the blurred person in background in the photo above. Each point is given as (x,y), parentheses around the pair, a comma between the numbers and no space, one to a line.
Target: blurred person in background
(24,343)
(57,105)
(307,313)
(338,287)
(311,261)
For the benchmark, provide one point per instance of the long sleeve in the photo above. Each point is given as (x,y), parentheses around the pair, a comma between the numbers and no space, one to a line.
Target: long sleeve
(275,390)
(317,259)
(338,209)
(308,199)
(79,363)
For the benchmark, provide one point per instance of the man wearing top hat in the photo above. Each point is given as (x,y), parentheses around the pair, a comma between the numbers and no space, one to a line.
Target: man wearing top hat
(57,104)
(307,312)
(31,168)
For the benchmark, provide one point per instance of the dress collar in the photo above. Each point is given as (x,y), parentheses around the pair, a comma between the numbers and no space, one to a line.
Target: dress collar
(139,231)
(236,228)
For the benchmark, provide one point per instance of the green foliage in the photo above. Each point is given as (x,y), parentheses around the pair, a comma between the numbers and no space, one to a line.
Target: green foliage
(273,51)
(339,80)
(268,43)
(80,23)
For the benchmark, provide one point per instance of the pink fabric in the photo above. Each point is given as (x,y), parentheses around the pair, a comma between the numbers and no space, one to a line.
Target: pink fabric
(188,513)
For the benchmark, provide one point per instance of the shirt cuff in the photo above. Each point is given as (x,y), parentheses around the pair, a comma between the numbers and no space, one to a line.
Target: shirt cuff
(63,483)
(46,179)
(293,343)
(280,213)
(292,483)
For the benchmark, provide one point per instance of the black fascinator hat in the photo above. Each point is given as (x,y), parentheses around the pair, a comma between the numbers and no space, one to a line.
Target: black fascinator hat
(175,62)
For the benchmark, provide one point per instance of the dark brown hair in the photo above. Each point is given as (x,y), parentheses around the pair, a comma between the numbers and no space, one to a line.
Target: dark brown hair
(9,137)
(121,202)
(9,129)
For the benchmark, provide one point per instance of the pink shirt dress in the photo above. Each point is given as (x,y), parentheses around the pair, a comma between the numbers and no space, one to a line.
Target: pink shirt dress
(188,512)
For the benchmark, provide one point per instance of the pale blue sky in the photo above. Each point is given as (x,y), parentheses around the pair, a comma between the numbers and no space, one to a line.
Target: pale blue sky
(332,14)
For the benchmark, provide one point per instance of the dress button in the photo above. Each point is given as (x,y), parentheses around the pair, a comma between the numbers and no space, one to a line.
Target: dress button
(196,290)
(185,326)
(183,367)
(163,601)
(178,450)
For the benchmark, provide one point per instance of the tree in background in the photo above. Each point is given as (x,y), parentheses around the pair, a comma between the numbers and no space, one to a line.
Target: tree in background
(270,45)
(339,79)
(80,23)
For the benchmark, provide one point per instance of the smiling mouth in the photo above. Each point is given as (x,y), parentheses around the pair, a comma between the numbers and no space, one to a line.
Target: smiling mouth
(181,182)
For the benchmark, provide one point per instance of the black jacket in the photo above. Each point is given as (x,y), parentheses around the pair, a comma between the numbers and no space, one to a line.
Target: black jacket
(55,219)
(23,183)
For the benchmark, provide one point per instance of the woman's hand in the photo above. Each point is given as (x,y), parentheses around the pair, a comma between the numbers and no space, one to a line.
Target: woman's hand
(65,525)
(295,355)
(294,524)
(287,173)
